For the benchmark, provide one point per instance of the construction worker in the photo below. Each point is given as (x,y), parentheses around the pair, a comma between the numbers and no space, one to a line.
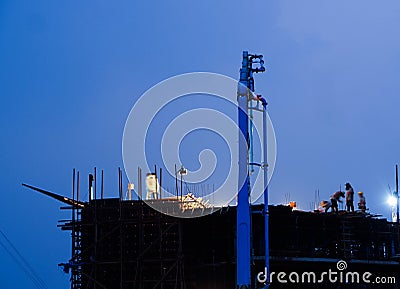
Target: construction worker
(362,204)
(325,205)
(335,198)
(349,197)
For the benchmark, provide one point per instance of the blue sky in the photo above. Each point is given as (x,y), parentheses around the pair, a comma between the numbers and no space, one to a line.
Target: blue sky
(71,71)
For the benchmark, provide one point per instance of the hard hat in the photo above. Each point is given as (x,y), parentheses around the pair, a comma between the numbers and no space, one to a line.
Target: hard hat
(360,193)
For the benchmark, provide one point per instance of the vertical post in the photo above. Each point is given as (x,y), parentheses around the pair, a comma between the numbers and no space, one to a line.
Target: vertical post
(181,186)
(120,230)
(397,191)
(140,184)
(251,157)
(95,226)
(73,223)
(78,185)
(155,173)
(102,184)
(73,184)
(243,271)
(160,183)
(120,185)
(265,167)
(176,183)
(95,183)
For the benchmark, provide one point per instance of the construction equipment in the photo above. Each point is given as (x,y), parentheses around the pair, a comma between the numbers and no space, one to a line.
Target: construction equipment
(245,96)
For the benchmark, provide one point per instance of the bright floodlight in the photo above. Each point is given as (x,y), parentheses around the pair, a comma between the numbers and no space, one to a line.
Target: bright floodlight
(392,201)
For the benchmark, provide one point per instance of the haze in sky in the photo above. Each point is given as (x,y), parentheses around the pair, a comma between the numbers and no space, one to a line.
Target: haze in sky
(70,72)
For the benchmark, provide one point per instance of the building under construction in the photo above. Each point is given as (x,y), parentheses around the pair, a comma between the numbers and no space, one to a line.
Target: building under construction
(118,243)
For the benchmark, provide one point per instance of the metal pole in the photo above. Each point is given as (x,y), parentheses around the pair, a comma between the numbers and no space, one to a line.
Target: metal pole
(73,214)
(155,173)
(265,167)
(78,185)
(160,183)
(139,188)
(251,158)
(102,184)
(141,184)
(95,183)
(95,226)
(73,226)
(243,223)
(397,191)
(73,184)
(176,183)
(120,176)
(138,183)
(120,184)
(181,185)
(243,271)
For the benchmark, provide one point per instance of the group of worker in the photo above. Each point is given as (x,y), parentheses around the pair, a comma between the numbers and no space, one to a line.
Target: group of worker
(349,197)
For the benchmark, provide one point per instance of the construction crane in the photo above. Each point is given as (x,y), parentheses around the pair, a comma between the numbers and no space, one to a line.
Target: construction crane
(251,64)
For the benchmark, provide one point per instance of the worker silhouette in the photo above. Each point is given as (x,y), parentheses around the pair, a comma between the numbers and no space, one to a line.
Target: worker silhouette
(349,197)
(362,204)
(325,205)
(335,198)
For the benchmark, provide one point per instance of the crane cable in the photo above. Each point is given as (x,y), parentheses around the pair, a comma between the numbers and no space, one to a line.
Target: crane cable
(22,262)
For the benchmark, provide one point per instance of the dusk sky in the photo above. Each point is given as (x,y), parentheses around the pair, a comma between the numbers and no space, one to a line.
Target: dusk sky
(70,72)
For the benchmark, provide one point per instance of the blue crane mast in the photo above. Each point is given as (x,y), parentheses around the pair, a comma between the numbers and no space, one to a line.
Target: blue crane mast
(245,114)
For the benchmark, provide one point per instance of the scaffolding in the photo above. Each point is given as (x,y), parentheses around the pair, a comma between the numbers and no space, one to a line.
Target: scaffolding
(118,243)
(127,244)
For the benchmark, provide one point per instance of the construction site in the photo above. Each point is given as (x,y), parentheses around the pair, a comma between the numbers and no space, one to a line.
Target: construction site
(119,243)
